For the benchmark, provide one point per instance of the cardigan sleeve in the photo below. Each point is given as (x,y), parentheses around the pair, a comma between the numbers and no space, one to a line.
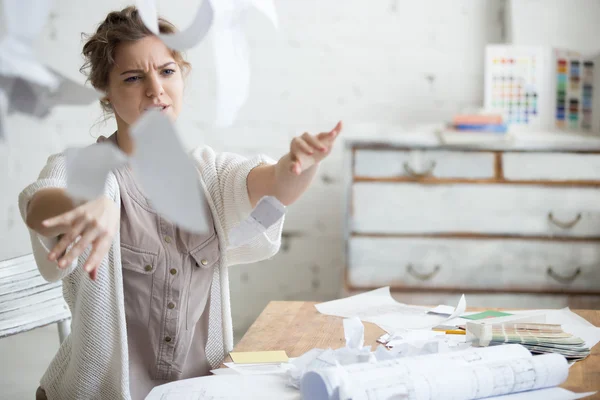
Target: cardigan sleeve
(53,175)
(226,179)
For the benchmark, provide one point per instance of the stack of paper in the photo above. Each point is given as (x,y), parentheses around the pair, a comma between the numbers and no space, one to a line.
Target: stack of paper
(541,338)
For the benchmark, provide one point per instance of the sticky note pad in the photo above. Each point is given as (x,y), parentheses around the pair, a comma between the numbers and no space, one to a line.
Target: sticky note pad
(486,314)
(259,357)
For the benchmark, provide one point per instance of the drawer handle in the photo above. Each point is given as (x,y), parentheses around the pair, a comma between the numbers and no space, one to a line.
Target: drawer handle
(563,279)
(564,225)
(415,174)
(420,276)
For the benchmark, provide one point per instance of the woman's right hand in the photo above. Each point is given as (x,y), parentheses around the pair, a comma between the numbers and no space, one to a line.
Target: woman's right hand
(94,223)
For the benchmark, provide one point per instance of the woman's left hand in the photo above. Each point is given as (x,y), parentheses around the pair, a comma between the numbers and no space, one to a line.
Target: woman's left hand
(308,150)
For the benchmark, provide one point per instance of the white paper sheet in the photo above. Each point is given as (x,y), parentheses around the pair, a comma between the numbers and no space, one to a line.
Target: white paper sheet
(232,67)
(354,333)
(378,307)
(442,310)
(468,374)
(555,393)
(226,17)
(88,167)
(186,38)
(232,55)
(226,387)
(267,212)
(26,85)
(165,172)
(412,336)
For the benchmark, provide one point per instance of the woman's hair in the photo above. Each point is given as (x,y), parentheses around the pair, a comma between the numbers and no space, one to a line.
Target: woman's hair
(119,26)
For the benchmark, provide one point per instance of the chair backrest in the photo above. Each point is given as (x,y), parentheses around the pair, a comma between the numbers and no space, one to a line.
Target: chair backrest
(27,301)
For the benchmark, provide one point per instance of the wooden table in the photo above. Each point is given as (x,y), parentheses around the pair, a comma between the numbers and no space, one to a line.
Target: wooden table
(296,327)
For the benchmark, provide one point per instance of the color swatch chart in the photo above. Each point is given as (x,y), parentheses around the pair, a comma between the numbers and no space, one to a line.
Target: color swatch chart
(574,85)
(514,88)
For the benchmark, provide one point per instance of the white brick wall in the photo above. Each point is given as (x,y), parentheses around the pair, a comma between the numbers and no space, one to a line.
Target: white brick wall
(369,63)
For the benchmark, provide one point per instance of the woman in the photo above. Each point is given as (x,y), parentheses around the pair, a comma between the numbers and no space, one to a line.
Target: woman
(156,308)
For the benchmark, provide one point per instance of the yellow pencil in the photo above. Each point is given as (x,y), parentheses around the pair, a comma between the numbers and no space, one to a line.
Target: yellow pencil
(456,332)
(451,331)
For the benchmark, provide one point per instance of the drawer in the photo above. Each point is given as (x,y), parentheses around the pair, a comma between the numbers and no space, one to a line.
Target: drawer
(551,166)
(420,163)
(475,264)
(496,209)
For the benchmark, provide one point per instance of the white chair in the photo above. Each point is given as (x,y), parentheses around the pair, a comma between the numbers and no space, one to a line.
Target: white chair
(27,301)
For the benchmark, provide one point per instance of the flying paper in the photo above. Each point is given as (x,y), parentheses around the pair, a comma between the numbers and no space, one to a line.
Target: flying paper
(232,55)
(230,45)
(88,167)
(185,39)
(26,85)
(166,174)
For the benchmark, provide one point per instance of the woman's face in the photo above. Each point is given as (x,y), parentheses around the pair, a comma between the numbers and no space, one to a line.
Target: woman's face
(144,76)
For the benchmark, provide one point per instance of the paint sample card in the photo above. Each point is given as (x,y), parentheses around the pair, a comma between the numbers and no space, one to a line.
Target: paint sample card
(513,83)
(486,314)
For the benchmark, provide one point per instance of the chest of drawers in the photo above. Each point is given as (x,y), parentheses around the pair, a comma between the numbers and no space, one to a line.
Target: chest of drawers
(510,224)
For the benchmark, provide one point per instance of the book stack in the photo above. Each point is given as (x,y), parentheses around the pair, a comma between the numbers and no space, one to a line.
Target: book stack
(485,123)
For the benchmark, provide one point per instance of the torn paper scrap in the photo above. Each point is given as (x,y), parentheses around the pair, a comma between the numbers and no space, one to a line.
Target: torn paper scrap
(87,169)
(25,19)
(354,332)
(232,71)
(18,60)
(383,339)
(167,174)
(460,308)
(411,336)
(232,55)
(267,212)
(442,310)
(226,17)
(26,85)
(37,101)
(185,39)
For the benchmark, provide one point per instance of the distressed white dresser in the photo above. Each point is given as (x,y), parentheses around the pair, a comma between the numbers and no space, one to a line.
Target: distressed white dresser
(514,224)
